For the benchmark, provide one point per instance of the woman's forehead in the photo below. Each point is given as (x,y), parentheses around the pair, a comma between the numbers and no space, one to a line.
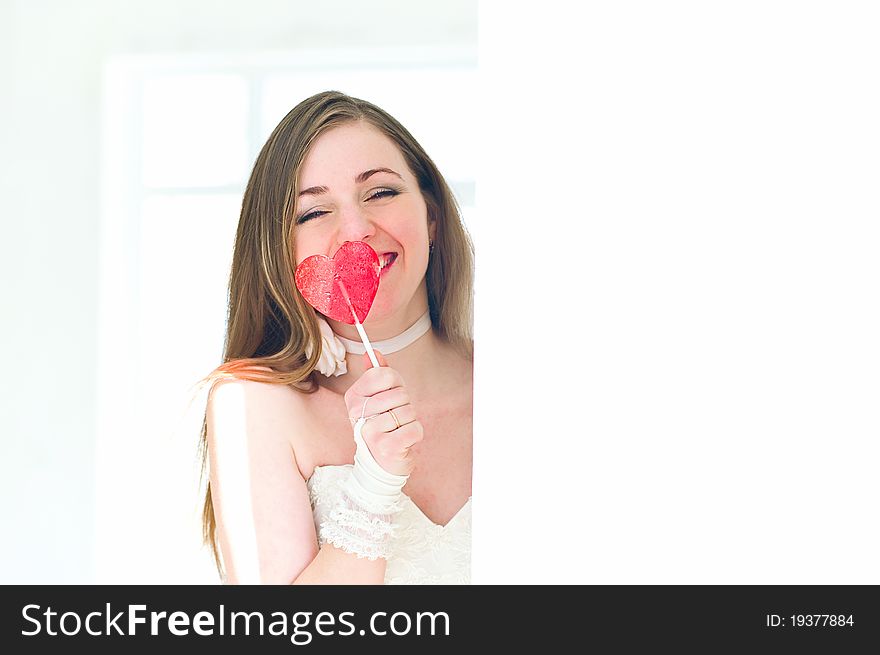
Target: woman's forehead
(343,152)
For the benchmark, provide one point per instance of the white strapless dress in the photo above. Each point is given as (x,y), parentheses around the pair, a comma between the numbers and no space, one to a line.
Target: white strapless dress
(422,552)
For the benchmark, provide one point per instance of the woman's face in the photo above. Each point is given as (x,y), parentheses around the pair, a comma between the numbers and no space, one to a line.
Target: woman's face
(355,186)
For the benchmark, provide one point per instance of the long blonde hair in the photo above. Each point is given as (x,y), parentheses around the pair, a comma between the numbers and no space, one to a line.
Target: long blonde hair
(269,324)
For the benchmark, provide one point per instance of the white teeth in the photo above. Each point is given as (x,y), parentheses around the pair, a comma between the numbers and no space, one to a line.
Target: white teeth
(386,260)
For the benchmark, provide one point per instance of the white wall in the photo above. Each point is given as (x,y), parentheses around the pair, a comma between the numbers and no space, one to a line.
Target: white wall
(51,58)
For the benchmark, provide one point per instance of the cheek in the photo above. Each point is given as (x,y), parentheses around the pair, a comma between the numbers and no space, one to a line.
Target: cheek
(412,225)
(307,245)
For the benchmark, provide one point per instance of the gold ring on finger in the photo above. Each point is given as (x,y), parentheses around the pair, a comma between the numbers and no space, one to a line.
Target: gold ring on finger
(394,416)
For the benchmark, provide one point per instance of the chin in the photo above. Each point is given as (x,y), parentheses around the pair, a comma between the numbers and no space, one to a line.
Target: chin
(378,313)
(384,307)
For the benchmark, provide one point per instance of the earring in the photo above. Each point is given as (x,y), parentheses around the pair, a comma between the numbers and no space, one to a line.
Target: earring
(430,246)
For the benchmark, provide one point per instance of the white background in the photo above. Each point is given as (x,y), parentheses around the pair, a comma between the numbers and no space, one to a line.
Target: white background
(678,293)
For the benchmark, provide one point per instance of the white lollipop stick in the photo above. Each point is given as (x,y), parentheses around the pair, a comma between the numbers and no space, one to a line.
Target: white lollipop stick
(360,328)
(367,345)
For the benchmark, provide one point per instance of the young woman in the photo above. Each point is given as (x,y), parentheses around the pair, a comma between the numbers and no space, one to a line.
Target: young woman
(324,469)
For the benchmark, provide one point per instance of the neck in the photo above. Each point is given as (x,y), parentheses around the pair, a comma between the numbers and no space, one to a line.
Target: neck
(417,363)
(414,362)
(394,344)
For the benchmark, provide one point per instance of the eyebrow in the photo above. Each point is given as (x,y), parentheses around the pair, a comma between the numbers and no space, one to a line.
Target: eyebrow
(360,179)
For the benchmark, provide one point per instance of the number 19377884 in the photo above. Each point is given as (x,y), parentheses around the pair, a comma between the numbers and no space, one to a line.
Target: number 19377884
(809,621)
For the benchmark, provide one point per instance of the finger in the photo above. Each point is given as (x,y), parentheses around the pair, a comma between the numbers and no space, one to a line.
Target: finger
(388,399)
(381,403)
(405,436)
(396,439)
(393,446)
(386,423)
(376,380)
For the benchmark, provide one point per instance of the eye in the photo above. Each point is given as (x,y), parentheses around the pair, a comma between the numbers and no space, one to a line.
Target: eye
(382,193)
(309,216)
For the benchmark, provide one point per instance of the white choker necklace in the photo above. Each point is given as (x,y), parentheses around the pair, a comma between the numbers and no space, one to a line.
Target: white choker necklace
(334,347)
(392,345)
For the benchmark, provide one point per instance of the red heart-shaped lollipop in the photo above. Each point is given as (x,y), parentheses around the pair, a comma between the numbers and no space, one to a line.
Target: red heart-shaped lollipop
(356,266)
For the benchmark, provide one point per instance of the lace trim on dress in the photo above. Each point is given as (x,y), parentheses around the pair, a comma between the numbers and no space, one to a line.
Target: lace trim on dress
(363,531)
(418,550)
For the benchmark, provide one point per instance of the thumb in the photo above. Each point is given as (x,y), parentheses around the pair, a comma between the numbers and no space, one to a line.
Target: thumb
(379,357)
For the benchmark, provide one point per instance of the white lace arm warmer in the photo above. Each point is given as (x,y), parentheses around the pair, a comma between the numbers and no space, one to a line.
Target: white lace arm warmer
(363,521)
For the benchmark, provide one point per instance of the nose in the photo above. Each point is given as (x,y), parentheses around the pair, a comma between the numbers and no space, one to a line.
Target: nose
(354,225)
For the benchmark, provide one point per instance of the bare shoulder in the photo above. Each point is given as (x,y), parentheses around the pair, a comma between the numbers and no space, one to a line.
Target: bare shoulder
(272,401)
(263,394)
(271,414)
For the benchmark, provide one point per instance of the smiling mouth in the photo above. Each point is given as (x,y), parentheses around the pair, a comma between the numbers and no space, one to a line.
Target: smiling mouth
(386,260)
